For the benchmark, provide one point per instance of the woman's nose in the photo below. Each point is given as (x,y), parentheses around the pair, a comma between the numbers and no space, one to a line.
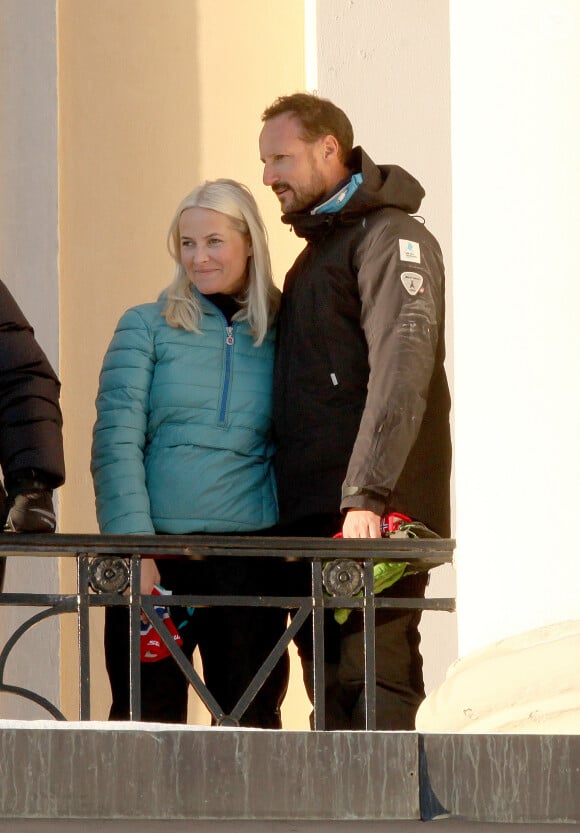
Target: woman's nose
(200,254)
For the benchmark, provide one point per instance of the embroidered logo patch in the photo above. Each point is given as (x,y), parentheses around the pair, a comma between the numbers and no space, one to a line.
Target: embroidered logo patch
(412,281)
(410,251)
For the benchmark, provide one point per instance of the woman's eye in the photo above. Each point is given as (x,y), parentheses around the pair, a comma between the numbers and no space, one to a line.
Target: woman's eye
(213,241)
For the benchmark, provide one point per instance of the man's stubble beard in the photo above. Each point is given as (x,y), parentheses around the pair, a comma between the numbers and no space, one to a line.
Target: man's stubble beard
(308,196)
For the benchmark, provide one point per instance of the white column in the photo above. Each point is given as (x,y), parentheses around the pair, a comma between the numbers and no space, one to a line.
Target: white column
(515,81)
(387,65)
(29,267)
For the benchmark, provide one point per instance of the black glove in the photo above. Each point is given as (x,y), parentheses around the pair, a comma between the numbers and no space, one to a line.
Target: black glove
(31,509)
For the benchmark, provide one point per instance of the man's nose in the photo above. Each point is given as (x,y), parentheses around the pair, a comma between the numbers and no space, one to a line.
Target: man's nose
(269,177)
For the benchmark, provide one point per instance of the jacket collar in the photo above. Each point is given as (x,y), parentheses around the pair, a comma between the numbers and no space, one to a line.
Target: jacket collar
(382,186)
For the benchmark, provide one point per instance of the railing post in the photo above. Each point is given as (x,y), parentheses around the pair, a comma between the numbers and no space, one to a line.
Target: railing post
(84,635)
(369,617)
(134,638)
(318,645)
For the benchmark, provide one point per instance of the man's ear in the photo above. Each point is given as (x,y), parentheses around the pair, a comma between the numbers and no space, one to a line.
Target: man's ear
(330,148)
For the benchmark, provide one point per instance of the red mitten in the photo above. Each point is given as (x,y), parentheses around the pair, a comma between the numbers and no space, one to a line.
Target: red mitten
(152,646)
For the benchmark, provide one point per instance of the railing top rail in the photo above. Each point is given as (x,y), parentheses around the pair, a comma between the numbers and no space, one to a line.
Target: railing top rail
(429,551)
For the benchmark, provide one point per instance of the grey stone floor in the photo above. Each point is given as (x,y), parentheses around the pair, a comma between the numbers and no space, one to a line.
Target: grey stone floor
(440,826)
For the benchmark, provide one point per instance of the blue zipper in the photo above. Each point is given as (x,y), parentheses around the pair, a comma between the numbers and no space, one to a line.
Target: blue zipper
(227,374)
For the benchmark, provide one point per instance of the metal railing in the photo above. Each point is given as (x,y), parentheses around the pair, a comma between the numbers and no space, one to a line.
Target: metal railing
(108,573)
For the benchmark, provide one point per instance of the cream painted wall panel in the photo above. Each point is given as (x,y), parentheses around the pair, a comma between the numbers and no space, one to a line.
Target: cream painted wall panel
(29,267)
(516,132)
(250,53)
(154,98)
(386,63)
(128,98)
(128,87)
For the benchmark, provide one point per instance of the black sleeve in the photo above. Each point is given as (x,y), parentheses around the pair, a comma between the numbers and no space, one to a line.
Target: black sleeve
(401,287)
(30,415)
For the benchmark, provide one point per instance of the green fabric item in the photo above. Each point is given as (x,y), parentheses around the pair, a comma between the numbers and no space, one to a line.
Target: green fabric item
(386,573)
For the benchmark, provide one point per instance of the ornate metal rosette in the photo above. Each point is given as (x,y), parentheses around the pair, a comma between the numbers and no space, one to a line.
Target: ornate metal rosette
(342,577)
(109,574)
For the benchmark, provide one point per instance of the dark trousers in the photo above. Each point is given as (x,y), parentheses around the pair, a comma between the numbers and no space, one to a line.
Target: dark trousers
(399,665)
(233,643)
(3,516)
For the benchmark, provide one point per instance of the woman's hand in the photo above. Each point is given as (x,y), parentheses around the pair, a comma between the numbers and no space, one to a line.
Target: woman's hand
(149,575)
(361,523)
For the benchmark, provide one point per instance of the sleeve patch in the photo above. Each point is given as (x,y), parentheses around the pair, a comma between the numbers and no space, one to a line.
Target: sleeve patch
(409,251)
(412,281)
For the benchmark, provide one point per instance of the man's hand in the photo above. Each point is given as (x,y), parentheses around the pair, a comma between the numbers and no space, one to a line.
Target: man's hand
(31,511)
(361,523)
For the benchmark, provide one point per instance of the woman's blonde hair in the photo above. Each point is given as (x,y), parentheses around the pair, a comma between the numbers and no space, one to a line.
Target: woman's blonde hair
(260,299)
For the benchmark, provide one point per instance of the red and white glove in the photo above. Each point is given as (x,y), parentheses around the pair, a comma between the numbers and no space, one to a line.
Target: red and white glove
(152,646)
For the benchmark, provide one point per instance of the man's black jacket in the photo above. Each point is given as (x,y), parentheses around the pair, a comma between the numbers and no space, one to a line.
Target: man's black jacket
(361,402)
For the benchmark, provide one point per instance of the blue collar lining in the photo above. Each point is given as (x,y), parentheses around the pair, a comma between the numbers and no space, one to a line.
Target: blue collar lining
(339,199)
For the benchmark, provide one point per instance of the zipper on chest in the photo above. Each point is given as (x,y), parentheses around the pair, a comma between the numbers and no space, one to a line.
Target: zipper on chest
(227,377)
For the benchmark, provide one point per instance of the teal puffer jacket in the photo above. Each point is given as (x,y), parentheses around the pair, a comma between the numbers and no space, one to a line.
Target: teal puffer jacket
(182,441)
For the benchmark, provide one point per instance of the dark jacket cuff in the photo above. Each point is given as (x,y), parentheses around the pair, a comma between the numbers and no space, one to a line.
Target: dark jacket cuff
(356,497)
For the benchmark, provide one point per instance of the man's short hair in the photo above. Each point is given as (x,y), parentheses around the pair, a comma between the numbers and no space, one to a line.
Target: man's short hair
(318,116)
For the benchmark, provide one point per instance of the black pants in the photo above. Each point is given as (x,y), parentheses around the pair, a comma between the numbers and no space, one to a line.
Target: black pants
(233,643)
(3,516)
(399,665)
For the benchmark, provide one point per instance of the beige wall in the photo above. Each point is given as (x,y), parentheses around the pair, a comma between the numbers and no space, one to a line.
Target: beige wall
(264,44)
(153,98)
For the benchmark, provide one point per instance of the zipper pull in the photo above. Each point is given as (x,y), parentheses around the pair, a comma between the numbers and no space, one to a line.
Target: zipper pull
(229,335)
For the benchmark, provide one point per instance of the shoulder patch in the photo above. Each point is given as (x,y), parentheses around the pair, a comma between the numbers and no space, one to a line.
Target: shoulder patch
(412,281)
(409,251)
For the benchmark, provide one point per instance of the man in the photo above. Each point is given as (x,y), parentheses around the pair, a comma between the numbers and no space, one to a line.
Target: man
(361,403)
(31,447)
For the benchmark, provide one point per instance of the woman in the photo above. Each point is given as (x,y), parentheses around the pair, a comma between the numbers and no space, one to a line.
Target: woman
(182,444)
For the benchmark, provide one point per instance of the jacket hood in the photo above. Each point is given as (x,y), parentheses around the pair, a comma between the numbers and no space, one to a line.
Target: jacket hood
(382,186)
